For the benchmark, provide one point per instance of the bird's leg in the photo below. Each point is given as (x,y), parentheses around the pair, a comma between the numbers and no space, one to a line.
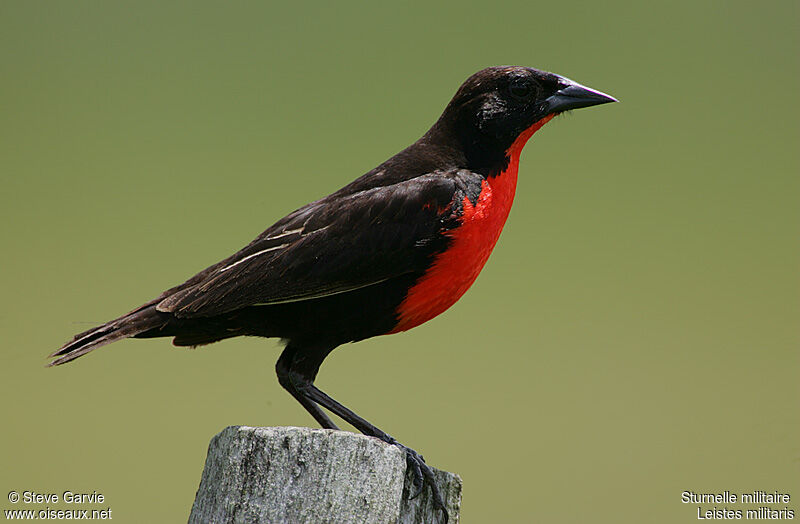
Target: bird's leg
(319,415)
(284,377)
(300,371)
(423,474)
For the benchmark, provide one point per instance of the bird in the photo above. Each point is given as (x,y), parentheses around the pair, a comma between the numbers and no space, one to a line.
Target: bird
(387,252)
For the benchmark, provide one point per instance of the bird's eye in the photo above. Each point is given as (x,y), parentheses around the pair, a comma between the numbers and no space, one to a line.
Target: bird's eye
(520,88)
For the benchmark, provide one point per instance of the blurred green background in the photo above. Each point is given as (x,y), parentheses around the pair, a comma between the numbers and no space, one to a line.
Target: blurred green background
(634,334)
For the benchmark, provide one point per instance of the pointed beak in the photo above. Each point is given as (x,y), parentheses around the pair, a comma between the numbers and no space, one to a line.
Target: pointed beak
(572,95)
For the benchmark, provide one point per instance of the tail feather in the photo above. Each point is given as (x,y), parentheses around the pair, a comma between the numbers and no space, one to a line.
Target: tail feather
(132,324)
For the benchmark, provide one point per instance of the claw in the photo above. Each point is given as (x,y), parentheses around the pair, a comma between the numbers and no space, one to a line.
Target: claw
(419,483)
(422,475)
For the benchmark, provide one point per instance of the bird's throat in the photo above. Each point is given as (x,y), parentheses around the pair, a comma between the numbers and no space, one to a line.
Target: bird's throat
(516,148)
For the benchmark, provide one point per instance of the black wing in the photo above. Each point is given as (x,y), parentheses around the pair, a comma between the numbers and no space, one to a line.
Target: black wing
(340,243)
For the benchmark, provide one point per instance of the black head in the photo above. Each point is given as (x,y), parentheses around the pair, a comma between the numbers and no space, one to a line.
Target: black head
(498,104)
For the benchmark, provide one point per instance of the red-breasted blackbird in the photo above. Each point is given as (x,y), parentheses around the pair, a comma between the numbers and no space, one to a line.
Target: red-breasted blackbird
(387,252)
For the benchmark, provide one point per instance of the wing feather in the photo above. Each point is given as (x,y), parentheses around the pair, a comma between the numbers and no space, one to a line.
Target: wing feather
(338,244)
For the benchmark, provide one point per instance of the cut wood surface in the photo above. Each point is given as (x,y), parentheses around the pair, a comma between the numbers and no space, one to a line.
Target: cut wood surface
(303,475)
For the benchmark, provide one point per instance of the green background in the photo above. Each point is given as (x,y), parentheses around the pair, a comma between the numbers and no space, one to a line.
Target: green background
(634,334)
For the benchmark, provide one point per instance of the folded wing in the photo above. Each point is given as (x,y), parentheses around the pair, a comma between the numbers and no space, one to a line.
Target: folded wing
(337,244)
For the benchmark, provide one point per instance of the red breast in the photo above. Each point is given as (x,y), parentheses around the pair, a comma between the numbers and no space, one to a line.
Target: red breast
(454,270)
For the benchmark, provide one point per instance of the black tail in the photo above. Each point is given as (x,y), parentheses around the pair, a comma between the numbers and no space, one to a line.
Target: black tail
(138,321)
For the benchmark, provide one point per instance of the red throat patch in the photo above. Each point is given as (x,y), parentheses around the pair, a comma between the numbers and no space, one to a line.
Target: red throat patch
(453,271)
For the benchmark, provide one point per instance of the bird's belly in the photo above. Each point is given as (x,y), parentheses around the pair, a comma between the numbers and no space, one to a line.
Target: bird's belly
(454,270)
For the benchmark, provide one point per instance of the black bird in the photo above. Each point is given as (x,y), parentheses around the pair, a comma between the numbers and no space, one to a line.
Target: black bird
(385,253)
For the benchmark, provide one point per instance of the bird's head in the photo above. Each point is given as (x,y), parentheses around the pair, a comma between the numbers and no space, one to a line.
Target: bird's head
(500,107)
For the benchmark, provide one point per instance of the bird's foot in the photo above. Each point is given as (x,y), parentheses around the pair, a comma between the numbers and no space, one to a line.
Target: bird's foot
(422,474)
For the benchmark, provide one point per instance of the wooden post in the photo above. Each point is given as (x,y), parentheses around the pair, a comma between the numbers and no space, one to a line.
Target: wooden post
(299,475)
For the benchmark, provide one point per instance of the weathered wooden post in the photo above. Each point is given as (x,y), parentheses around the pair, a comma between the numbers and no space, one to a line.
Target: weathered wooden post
(302,475)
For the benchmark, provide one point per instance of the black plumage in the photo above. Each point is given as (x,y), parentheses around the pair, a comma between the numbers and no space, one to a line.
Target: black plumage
(337,270)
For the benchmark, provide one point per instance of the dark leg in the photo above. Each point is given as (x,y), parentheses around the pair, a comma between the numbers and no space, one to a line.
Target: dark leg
(299,366)
(284,378)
